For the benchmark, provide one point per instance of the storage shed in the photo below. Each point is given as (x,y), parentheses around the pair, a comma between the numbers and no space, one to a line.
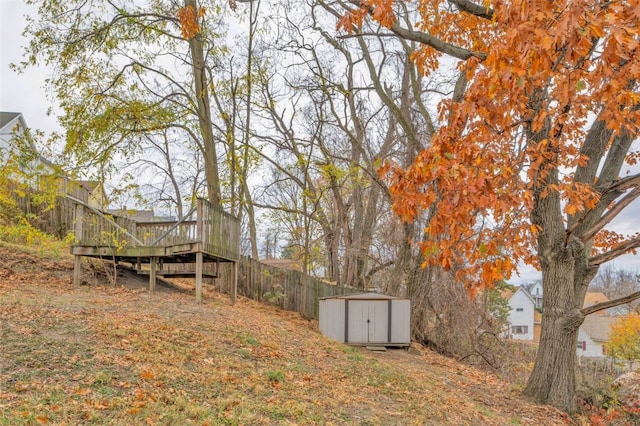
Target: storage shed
(368,319)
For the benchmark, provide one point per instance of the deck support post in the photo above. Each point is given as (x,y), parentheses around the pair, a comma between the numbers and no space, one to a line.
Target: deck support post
(198,277)
(153,264)
(77,263)
(234,291)
(77,271)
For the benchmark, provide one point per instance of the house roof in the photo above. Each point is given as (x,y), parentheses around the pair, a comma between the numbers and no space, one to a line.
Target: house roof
(362,296)
(89,185)
(598,327)
(135,215)
(7,117)
(594,298)
(288,264)
(529,286)
(509,293)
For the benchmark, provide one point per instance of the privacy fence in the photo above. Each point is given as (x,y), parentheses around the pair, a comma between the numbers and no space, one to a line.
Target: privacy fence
(56,219)
(288,289)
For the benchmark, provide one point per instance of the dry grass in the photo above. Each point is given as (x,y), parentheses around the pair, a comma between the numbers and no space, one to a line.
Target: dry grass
(105,355)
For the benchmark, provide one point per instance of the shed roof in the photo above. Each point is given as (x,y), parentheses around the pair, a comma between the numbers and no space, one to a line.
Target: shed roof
(362,296)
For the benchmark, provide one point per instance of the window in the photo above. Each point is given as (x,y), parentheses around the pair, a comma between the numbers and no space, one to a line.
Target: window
(582,345)
(519,329)
(519,309)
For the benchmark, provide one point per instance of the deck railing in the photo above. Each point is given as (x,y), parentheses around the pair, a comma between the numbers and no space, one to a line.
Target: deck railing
(167,233)
(220,231)
(99,229)
(217,231)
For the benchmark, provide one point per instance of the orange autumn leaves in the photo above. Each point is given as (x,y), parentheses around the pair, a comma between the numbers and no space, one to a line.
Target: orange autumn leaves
(538,74)
(381,11)
(189,26)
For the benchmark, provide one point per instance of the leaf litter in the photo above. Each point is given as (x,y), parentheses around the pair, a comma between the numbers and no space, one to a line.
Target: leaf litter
(119,355)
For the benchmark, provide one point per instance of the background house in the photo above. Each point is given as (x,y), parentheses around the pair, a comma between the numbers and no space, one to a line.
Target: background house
(522,315)
(90,191)
(133,214)
(15,138)
(593,298)
(535,291)
(537,325)
(288,264)
(11,124)
(593,335)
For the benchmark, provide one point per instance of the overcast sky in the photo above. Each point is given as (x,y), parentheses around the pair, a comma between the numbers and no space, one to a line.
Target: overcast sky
(21,93)
(25,93)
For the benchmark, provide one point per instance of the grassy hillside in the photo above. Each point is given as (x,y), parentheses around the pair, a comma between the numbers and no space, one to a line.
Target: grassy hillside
(116,355)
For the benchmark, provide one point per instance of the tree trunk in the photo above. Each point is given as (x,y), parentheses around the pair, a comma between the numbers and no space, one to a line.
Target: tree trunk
(203,109)
(552,380)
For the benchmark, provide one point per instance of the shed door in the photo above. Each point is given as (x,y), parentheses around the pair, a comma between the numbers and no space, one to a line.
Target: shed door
(368,321)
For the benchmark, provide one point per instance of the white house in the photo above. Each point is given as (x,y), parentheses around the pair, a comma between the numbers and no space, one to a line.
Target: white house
(10,124)
(593,336)
(522,314)
(12,127)
(536,291)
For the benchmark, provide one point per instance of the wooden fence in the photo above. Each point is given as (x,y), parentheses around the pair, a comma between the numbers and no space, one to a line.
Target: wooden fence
(284,288)
(593,367)
(57,219)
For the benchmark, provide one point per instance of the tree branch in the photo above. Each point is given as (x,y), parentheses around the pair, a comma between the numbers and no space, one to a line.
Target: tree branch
(380,267)
(615,252)
(610,215)
(625,183)
(436,43)
(428,39)
(610,304)
(474,9)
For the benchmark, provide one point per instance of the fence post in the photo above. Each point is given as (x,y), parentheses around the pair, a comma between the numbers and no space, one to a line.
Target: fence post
(152,273)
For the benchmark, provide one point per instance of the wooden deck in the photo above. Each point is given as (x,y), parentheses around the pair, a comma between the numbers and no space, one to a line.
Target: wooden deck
(192,247)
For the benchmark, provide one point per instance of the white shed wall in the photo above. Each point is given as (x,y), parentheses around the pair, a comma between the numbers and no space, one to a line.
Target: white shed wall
(331,318)
(401,322)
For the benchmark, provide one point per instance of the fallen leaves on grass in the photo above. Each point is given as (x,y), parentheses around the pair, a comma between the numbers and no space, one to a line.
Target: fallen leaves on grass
(112,355)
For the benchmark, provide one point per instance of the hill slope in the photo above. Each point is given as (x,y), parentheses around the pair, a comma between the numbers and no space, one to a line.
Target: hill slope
(115,355)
